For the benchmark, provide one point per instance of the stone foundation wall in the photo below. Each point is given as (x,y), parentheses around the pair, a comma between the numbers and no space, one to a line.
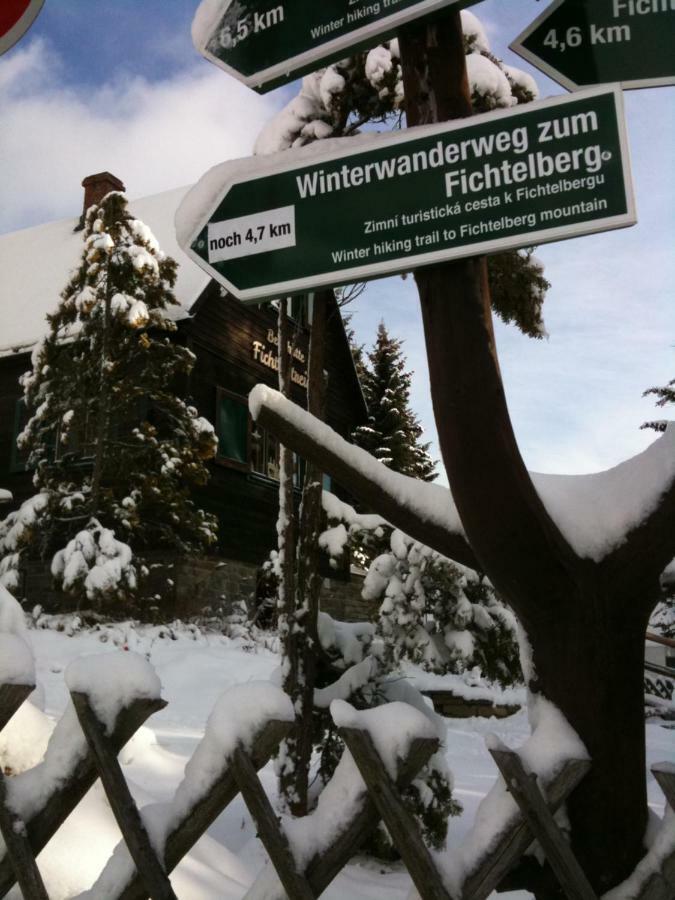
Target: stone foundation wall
(200,586)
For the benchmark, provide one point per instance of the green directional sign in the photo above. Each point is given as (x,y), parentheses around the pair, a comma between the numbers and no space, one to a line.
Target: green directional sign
(585,42)
(370,206)
(265,43)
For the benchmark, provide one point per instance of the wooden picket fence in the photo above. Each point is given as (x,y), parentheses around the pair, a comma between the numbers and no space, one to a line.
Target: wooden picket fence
(533,819)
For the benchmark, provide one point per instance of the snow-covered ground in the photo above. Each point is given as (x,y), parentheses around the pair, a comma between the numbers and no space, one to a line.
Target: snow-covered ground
(195,669)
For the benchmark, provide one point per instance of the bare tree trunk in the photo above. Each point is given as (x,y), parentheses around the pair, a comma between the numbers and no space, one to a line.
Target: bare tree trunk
(586,632)
(286,551)
(300,633)
(305,640)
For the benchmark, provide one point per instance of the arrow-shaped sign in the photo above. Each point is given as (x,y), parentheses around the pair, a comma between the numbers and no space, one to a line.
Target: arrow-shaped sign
(584,42)
(370,206)
(265,43)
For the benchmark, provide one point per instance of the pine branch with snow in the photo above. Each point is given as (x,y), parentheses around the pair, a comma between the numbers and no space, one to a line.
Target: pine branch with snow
(665,396)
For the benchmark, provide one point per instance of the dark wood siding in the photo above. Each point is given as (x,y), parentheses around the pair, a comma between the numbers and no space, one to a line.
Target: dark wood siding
(222,334)
(18,482)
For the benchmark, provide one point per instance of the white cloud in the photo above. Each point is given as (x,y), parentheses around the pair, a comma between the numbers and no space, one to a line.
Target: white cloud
(153,136)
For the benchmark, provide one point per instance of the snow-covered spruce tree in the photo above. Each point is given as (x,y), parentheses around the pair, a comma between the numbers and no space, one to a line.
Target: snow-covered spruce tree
(367,88)
(393,432)
(665,396)
(663,617)
(114,446)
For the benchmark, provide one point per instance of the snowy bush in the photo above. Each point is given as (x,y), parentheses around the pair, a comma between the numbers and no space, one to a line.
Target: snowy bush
(17,532)
(366,684)
(432,611)
(440,615)
(95,564)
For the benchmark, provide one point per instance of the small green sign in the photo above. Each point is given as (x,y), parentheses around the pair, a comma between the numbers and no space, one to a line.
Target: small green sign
(265,43)
(585,42)
(356,208)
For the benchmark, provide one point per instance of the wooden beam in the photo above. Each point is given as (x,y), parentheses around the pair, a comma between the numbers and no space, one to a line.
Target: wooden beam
(327,865)
(122,803)
(19,851)
(206,809)
(392,496)
(525,791)
(66,795)
(269,829)
(665,775)
(489,871)
(400,823)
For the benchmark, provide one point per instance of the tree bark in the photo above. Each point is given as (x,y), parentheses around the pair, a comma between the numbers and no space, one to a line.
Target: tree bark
(305,638)
(286,549)
(587,644)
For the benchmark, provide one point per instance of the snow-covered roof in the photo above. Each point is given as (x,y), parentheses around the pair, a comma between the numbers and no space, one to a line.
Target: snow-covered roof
(35,263)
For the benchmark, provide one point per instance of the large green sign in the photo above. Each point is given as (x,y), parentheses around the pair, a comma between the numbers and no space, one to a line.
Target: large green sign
(583,42)
(265,43)
(364,207)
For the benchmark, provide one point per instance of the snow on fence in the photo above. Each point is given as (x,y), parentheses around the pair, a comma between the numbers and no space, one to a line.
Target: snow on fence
(112,696)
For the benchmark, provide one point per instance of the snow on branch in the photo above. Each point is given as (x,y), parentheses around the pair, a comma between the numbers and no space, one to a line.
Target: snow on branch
(424,511)
(595,513)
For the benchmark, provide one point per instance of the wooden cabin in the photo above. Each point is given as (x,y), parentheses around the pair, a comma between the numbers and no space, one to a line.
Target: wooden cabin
(235,349)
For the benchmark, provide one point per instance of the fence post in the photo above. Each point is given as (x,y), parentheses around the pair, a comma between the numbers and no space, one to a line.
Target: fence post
(269,829)
(19,852)
(122,803)
(400,823)
(192,826)
(66,795)
(523,787)
(325,866)
(516,837)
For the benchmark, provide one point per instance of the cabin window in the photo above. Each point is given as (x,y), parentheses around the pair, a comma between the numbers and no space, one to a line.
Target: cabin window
(265,458)
(77,443)
(19,458)
(232,429)
(265,454)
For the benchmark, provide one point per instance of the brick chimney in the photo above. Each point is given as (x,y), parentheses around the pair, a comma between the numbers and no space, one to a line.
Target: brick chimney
(95,189)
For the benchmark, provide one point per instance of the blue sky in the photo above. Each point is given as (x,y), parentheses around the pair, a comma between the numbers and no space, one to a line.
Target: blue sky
(119,86)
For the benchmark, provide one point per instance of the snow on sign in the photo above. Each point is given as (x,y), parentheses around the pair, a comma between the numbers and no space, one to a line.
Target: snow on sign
(265,43)
(584,42)
(16,17)
(356,208)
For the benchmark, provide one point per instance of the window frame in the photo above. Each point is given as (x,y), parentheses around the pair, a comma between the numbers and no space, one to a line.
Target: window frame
(16,466)
(227,461)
